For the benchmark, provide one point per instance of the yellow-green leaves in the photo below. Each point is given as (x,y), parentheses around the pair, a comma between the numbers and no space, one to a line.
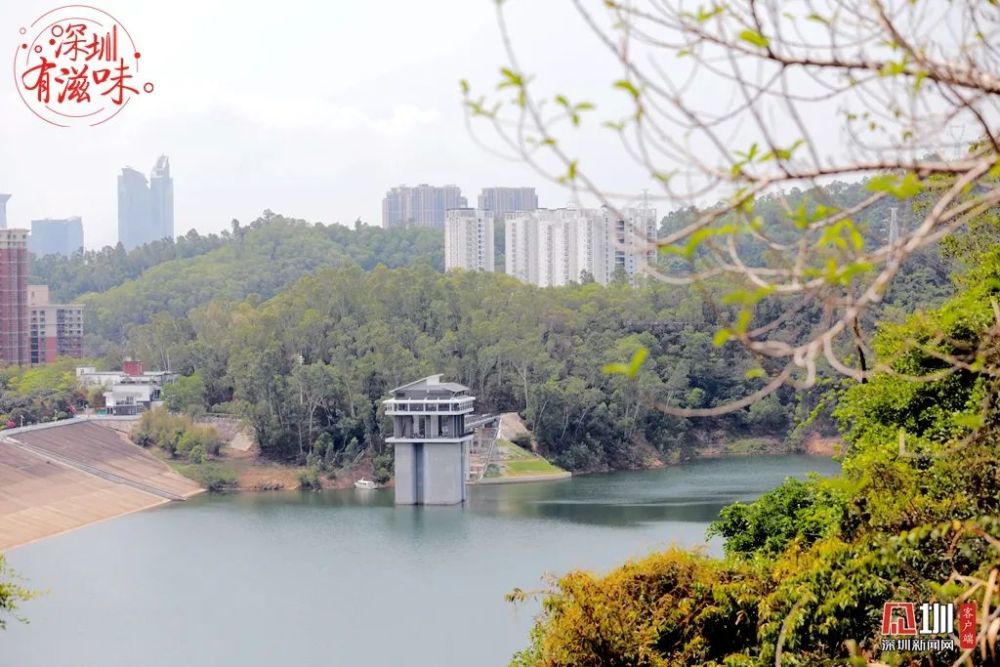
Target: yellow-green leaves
(704,14)
(631,369)
(695,239)
(747,297)
(835,274)
(721,337)
(843,235)
(904,187)
(971,421)
(755,38)
(781,153)
(573,109)
(893,68)
(570,174)
(803,217)
(627,86)
(512,79)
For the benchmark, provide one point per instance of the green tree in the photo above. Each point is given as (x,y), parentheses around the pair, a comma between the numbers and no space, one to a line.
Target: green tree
(186,394)
(12,594)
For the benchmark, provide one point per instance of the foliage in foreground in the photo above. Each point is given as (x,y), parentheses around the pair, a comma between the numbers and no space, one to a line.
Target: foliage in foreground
(809,565)
(12,594)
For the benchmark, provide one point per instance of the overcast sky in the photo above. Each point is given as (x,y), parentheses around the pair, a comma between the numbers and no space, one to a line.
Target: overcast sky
(311,109)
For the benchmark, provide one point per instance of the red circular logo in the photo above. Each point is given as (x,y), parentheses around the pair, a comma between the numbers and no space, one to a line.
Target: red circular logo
(77,65)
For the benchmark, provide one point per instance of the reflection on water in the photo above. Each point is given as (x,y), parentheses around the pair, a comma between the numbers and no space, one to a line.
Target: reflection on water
(346,578)
(694,492)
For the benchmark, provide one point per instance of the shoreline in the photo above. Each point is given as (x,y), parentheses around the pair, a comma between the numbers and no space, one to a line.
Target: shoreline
(61,476)
(156,503)
(523,479)
(492,481)
(52,514)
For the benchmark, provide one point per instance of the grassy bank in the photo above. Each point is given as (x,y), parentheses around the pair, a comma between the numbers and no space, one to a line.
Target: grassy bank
(518,464)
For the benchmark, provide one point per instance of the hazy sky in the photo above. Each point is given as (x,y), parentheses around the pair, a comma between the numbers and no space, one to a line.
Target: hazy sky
(311,109)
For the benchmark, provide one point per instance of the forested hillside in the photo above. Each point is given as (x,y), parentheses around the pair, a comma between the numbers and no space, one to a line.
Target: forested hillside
(312,363)
(291,325)
(125,289)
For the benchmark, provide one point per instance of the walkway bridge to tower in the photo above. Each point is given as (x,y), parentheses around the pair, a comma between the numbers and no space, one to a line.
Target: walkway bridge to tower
(485,430)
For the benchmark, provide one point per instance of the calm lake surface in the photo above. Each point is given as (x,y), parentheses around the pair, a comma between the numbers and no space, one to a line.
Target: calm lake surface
(346,578)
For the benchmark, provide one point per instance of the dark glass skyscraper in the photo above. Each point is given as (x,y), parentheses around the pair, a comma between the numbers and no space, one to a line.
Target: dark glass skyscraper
(145,211)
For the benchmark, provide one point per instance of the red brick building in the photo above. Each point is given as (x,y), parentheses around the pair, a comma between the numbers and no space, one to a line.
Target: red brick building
(14,336)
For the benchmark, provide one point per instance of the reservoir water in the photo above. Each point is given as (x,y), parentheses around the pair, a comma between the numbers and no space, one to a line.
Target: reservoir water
(346,578)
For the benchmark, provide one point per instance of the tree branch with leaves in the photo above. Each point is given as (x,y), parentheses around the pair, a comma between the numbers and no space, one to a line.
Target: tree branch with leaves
(731,102)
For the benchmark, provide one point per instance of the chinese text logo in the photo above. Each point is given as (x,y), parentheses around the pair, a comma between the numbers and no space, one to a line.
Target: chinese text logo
(77,65)
(902,632)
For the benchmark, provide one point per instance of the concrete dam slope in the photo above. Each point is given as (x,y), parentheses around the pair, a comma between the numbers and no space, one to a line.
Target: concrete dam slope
(56,479)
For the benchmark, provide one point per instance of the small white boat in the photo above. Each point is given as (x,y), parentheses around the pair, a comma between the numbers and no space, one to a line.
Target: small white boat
(365,484)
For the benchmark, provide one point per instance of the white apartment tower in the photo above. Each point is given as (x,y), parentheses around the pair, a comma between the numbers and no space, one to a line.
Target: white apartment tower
(554,247)
(634,243)
(468,240)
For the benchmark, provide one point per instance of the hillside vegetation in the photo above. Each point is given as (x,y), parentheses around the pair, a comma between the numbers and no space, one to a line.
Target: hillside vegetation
(124,289)
(914,516)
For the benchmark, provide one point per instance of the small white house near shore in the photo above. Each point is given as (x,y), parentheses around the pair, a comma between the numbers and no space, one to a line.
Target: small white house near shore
(130,390)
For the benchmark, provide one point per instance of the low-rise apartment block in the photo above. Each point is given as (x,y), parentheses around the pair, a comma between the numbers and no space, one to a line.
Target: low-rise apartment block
(56,329)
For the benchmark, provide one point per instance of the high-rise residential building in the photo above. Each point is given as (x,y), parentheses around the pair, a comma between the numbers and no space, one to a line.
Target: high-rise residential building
(420,206)
(502,201)
(56,236)
(56,329)
(161,199)
(468,240)
(633,247)
(145,210)
(133,209)
(14,343)
(554,247)
(3,210)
